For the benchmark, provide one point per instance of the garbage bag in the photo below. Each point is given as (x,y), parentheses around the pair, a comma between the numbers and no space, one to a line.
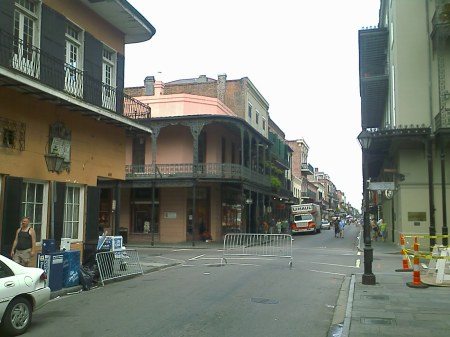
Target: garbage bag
(86,278)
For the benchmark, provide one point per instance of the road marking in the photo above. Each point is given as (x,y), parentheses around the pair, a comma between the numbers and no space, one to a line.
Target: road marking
(333,264)
(327,272)
(196,257)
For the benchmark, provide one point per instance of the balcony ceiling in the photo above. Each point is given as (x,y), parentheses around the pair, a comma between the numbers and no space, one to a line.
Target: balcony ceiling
(125,17)
(74,105)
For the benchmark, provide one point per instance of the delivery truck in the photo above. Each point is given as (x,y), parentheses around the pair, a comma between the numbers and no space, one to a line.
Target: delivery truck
(305,218)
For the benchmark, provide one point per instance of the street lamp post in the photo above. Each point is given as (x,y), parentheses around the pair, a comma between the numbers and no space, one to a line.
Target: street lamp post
(368,277)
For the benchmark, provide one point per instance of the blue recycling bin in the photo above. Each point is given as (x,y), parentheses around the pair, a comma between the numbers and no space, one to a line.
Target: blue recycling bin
(52,264)
(71,268)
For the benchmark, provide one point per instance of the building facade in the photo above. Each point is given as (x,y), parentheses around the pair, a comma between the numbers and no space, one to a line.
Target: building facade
(64,114)
(203,173)
(404,87)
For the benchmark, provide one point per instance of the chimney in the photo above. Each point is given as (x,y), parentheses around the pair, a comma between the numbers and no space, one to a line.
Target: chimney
(221,87)
(159,88)
(202,79)
(149,85)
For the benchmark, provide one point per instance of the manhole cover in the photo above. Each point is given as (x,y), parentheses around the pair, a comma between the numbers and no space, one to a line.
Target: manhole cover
(376,297)
(378,320)
(264,300)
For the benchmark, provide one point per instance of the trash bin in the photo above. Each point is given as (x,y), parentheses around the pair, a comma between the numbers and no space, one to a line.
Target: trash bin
(71,268)
(48,246)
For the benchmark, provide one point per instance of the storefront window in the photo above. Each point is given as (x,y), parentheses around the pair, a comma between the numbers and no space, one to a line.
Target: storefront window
(231,218)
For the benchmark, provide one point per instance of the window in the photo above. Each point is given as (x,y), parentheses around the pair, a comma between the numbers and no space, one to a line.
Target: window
(109,79)
(72,227)
(73,66)
(264,123)
(26,57)
(250,110)
(7,138)
(257,117)
(32,206)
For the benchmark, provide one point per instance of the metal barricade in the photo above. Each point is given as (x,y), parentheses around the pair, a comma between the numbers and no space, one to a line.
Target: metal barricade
(117,264)
(263,245)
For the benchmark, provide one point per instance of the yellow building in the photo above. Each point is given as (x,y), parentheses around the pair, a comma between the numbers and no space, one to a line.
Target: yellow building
(63,115)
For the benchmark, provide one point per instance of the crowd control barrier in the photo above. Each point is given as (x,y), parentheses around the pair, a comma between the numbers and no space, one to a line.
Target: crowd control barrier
(237,245)
(117,264)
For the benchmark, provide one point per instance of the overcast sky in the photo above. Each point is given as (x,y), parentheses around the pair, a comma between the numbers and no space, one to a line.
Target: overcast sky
(301,55)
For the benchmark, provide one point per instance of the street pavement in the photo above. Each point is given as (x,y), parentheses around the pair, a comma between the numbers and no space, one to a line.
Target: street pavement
(388,308)
(391,307)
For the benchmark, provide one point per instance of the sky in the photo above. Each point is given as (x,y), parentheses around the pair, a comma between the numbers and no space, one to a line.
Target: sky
(302,56)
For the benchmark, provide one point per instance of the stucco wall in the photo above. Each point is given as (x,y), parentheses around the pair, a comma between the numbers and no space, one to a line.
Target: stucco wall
(91,22)
(93,143)
(173,202)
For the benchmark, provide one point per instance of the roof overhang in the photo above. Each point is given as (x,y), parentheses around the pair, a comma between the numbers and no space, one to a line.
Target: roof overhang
(124,17)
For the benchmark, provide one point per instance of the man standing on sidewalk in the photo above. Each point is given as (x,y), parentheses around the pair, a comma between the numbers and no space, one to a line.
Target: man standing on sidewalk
(383,229)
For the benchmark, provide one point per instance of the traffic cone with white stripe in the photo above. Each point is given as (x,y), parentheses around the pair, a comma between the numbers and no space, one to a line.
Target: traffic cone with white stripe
(416,283)
(406,264)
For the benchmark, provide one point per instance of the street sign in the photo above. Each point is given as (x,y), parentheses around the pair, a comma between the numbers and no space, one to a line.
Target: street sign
(381,185)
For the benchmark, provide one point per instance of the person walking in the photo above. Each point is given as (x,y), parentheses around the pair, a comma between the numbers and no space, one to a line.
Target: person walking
(24,245)
(336,227)
(341,228)
(383,229)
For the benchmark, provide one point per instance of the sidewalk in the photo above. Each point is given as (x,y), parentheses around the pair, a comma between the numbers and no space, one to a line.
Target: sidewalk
(390,307)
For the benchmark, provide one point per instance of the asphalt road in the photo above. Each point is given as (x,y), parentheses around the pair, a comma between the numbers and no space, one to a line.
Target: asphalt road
(202,298)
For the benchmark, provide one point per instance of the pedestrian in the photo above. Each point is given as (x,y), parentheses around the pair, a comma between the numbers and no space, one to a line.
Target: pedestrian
(383,229)
(265,227)
(271,226)
(375,229)
(341,228)
(24,245)
(336,227)
(278,225)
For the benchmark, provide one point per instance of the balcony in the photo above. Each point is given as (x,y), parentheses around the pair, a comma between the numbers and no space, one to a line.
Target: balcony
(442,119)
(307,169)
(312,196)
(441,18)
(374,75)
(209,171)
(29,69)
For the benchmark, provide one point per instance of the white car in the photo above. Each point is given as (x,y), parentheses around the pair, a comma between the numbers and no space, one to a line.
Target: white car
(325,224)
(22,291)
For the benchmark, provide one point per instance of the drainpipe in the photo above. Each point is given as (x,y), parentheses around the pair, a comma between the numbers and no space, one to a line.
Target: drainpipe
(444,196)
(431,192)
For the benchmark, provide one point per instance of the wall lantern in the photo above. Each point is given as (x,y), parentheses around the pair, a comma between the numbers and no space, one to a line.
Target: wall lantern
(364,139)
(57,154)
(54,162)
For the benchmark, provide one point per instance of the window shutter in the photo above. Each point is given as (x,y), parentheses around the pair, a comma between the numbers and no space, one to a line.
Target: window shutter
(11,214)
(53,27)
(93,56)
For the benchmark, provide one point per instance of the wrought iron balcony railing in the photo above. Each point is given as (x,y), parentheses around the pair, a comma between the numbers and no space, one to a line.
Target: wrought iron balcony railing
(28,60)
(212,171)
(307,168)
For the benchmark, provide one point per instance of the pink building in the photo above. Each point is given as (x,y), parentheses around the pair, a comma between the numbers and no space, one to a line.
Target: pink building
(201,171)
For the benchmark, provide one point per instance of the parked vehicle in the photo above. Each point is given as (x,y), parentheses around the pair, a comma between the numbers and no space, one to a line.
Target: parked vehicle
(306,218)
(23,290)
(325,224)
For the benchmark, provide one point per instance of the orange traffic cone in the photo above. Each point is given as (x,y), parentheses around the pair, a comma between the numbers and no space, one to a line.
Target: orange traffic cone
(406,266)
(416,283)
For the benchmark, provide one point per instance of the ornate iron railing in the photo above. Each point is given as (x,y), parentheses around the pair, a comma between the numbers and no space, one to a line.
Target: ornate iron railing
(205,171)
(30,61)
